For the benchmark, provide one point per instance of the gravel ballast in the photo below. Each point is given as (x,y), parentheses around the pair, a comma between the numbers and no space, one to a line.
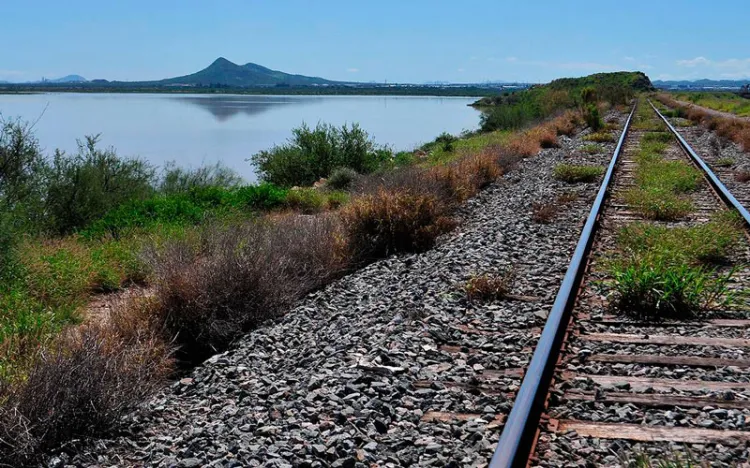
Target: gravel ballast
(355,374)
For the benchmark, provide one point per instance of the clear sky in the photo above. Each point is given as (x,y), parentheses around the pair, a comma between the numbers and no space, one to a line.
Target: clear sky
(394,40)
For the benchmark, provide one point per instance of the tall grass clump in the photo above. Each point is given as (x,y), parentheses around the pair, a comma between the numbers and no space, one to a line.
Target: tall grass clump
(312,154)
(662,272)
(175,179)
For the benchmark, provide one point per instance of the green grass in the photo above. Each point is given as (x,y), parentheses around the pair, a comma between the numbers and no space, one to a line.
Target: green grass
(661,184)
(724,162)
(705,243)
(474,143)
(720,101)
(649,286)
(658,204)
(591,148)
(572,173)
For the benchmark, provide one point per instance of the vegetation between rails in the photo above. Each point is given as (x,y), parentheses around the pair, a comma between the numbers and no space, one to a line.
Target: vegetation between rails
(661,184)
(669,272)
(663,272)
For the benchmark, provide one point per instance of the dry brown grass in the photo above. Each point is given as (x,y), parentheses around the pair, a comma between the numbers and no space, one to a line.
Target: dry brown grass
(543,212)
(208,295)
(80,385)
(489,287)
(393,222)
(742,176)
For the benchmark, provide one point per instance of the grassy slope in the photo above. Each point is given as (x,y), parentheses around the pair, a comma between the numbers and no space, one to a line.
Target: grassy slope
(720,101)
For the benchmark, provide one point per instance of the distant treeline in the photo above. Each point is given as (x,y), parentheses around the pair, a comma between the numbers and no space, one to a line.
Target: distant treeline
(375,90)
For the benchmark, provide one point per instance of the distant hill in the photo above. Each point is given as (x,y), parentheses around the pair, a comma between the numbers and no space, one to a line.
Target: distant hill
(701,84)
(69,79)
(225,73)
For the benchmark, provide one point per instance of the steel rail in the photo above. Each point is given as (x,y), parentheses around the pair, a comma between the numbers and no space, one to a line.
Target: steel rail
(718,186)
(517,438)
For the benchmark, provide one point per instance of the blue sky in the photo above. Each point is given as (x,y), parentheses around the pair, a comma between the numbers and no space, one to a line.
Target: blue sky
(398,41)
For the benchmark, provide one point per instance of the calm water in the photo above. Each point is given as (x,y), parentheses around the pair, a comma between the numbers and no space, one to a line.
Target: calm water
(199,129)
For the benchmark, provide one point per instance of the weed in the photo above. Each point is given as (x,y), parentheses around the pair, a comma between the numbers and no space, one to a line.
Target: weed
(705,243)
(724,162)
(489,287)
(386,223)
(592,148)
(543,213)
(651,287)
(572,174)
(600,137)
(658,203)
(742,176)
(567,197)
(306,200)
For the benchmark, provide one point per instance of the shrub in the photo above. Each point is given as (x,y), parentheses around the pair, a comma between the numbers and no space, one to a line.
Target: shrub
(306,200)
(80,386)
(313,154)
(393,222)
(240,276)
(22,165)
(84,187)
(574,174)
(178,180)
(489,287)
(593,118)
(341,178)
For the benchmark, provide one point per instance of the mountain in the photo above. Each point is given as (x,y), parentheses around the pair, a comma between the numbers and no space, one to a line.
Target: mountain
(69,79)
(225,73)
(701,84)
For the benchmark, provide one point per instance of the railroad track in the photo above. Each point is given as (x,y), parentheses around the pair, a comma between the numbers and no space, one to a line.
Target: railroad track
(603,389)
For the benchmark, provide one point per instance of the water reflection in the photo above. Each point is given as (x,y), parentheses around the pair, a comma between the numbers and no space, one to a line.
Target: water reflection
(224,107)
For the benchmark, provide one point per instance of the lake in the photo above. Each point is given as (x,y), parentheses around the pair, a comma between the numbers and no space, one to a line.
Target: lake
(202,129)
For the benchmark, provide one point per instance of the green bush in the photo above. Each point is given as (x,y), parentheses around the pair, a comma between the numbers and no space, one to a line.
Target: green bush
(593,118)
(312,154)
(187,208)
(84,187)
(306,200)
(178,180)
(572,173)
(341,178)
